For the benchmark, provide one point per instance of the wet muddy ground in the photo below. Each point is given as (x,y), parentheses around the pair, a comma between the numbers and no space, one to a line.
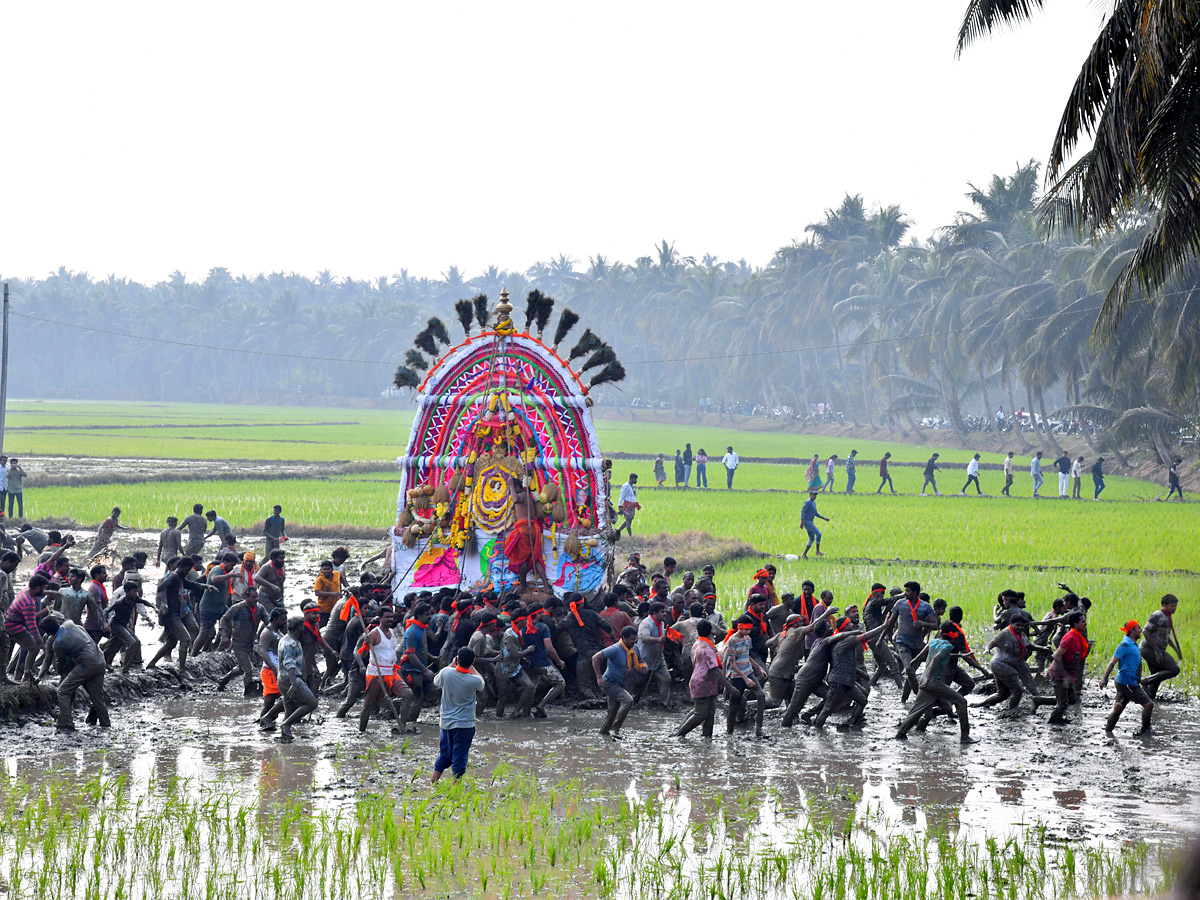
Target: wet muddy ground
(1076,780)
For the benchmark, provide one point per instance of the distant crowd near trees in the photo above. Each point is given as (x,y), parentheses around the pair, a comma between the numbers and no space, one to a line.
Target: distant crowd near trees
(992,311)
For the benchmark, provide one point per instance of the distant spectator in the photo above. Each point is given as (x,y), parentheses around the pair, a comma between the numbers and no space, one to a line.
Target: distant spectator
(702,468)
(730,461)
(15,487)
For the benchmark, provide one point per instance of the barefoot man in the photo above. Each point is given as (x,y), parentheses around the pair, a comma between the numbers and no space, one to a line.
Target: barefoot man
(808,517)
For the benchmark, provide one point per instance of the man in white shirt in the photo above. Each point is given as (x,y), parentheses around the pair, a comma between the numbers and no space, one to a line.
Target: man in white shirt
(972,476)
(830,465)
(730,461)
(1035,469)
(1076,478)
(1008,474)
(627,503)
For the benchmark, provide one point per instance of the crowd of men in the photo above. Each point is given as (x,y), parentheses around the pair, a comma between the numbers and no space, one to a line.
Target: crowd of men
(631,644)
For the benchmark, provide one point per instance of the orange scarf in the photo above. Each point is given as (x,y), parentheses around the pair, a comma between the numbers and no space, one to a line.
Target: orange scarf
(575,612)
(632,663)
(461,669)
(350,604)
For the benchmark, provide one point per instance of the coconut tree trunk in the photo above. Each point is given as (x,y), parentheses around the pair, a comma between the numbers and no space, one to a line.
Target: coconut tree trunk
(987,406)
(1046,422)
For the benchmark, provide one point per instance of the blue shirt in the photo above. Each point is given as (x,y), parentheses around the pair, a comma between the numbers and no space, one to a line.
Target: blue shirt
(539,658)
(1129,662)
(808,512)
(414,640)
(617,663)
(907,632)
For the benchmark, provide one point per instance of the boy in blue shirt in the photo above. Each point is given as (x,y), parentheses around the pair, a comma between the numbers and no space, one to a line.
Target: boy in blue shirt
(1127,659)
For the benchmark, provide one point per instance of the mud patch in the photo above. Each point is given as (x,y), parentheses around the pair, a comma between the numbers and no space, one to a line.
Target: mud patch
(692,549)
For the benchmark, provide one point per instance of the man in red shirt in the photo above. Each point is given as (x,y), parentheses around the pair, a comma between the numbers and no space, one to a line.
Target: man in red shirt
(1066,667)
(884,477)
(618,621)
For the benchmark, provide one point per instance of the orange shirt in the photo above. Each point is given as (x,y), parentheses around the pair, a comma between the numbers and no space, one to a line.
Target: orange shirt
(333,583)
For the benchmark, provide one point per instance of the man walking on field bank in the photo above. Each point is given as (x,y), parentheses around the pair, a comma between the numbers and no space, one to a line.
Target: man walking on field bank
(1035,471)
(972,475)
(627,503)
(930,467)
(1076,478)
(1008,474)
(1063,465)
(884,476)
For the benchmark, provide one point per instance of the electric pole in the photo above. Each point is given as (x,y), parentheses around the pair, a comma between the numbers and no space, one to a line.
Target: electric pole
(4,370)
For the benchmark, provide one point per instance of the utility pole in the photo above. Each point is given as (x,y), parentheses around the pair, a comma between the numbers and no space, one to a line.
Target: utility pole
(4,370)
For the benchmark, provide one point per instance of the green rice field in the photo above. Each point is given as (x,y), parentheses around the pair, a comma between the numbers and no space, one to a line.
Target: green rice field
(203,431)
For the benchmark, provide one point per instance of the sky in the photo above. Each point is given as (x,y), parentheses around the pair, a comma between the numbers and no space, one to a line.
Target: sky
(370,138)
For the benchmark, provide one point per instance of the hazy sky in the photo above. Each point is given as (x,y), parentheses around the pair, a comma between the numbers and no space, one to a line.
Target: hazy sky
(365,138)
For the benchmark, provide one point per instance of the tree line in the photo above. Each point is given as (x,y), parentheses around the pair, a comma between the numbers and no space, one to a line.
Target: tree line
(995,309)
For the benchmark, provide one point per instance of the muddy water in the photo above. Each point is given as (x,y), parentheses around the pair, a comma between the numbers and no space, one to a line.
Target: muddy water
(1077,781)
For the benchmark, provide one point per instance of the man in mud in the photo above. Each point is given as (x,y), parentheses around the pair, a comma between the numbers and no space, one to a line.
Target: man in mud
(270,581)
(911,619)
(614,668)
(1067,666)
(652,638)
(934,689)
(196,526)
(706,680)
(37,539)
(789,652)
(1127,659)
(273,530)
(298,698)
(745,674)
(9,561)
(328,590)
(268,651)
(171,602)
(874,613)
(122,616)
(545,665)
(312,640)
(848,679)
(81,665)
(382,681)
(105,532)
(239,632)
(689,582)
(588,630)
(220,528)
(214,601)
(21,624)
(509,670)
(1157,638)
(1010,650)
(170,542)
(414,665)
